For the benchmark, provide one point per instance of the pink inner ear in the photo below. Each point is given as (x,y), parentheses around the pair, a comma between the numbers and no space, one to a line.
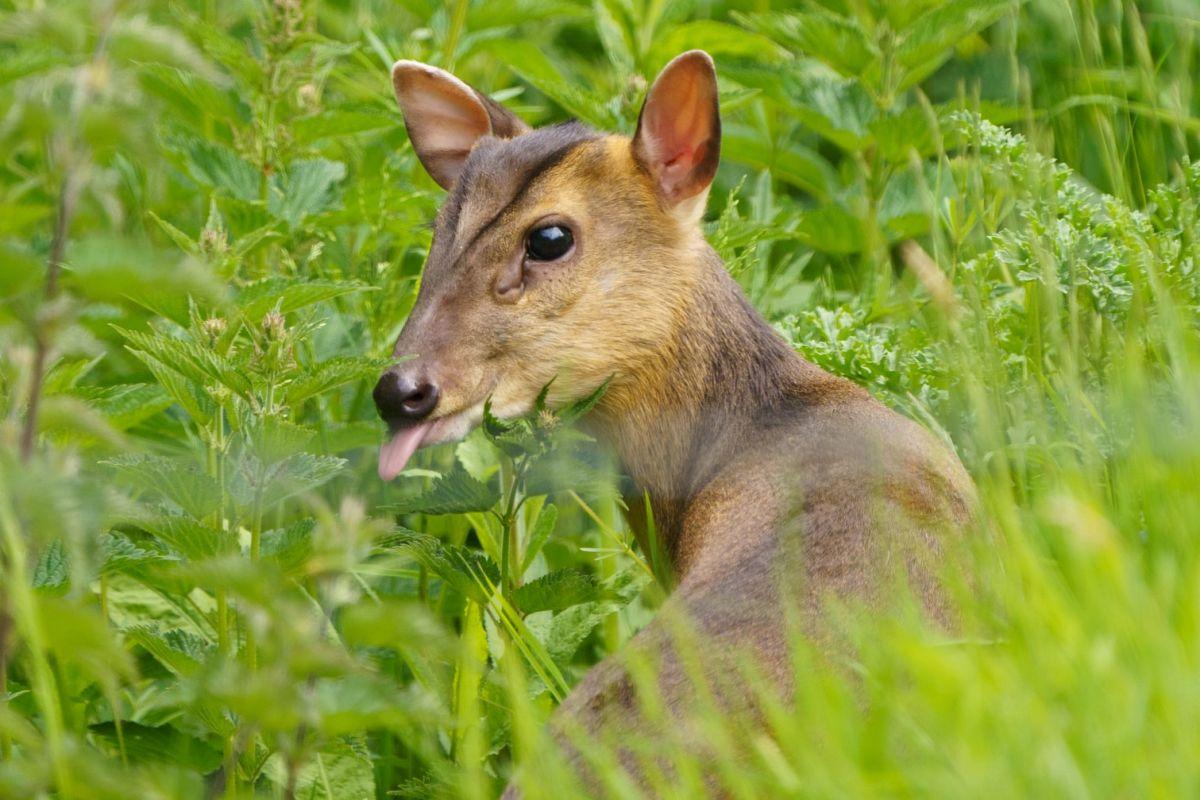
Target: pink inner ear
(679,128)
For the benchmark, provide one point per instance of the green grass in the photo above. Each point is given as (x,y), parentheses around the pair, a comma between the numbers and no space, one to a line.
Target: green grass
(212,227)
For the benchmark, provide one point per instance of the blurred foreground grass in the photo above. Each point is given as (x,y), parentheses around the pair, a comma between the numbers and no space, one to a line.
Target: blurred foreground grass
(212,226)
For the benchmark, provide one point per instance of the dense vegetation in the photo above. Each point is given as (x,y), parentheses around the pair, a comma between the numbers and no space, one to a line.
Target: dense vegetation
(212,227)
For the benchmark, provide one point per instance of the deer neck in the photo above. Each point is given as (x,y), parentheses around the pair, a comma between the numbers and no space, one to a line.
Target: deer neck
(685,415)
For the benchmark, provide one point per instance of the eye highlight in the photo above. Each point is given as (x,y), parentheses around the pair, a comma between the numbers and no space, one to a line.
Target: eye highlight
(548,243)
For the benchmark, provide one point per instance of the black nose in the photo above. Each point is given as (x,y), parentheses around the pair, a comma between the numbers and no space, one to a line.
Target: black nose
(403,399)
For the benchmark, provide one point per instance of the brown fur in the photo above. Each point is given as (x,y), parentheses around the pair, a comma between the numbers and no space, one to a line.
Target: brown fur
(772,482)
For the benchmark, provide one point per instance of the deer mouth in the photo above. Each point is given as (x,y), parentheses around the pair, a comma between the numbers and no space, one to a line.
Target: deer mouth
(402,443)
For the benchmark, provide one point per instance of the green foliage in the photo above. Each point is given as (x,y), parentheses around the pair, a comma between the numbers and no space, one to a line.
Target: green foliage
(987,212)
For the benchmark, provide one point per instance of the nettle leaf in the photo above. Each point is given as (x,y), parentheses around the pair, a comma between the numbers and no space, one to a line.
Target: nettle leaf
(271,438)
(286,295)
(338,123)
(183,483)
(122,555)
(838,42)
(190,359)
(216,166)
(793,163)
(533,66)
(331,374)
(177,650)
(455,492)
(542,528)
(298,474)
(53,571)
(126,404)
(558,590)
(192,399)
(930,40)
(289,547)
(304,188)
(142,744)
(568,629)
(718,39)
(470,572)
(571,413)
(189,538)
(839,110)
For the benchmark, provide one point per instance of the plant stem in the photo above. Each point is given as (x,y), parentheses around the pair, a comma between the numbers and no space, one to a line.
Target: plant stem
(25,618)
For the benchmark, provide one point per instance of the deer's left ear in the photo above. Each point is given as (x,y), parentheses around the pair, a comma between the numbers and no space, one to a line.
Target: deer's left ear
(678,137)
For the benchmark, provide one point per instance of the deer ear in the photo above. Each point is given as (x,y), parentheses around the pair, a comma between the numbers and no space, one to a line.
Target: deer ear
(445,117)
(678,137)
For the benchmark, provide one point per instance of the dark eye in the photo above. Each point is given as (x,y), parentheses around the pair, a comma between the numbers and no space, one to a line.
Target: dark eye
(548,243)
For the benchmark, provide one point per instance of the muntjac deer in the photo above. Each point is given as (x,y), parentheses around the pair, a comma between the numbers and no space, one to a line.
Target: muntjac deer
(568,254)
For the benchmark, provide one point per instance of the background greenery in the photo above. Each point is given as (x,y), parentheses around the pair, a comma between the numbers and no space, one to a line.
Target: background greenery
(212,227)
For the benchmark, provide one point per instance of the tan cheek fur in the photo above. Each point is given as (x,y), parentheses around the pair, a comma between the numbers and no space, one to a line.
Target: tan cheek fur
(616,311)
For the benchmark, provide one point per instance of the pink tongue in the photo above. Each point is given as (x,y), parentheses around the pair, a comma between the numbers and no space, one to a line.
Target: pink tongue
(396,452)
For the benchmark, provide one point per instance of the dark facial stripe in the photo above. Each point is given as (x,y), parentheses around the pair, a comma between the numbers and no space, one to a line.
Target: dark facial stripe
(550,161)
(508,168)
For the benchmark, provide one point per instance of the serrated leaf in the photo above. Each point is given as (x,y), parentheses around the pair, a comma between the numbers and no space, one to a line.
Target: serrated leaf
(191,539)
(455,492)
(290,294)
(837,41)
(126,404)
(331,374)
(542,528)
(297,474)
(190,359)
(306,187)
(179,651)
(718,39)
(53,570)
(574,411)
(216,166)
(183,483)
(289,547)
(339,123)
(558,590)
(143,744)
(469,572)
(569,628)
(930,40)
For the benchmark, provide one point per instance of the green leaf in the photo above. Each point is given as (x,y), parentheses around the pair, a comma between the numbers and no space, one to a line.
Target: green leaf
(191,539)
(180,652)
(569,628)
(304,188)
(542,528)
(839,110)
(143,744)
(290,294)
(470,572)
(532,65)
(330,374)
(338,123)
(837,41)
(183,483)
(289,547)
(216,166)
(53,571)
(456,492)
(931,38)
(718,39)
(298,474)
(190,359)
(126,404)
(558,590)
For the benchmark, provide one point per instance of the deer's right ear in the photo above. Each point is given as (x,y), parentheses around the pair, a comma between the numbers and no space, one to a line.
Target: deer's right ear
(445,117)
